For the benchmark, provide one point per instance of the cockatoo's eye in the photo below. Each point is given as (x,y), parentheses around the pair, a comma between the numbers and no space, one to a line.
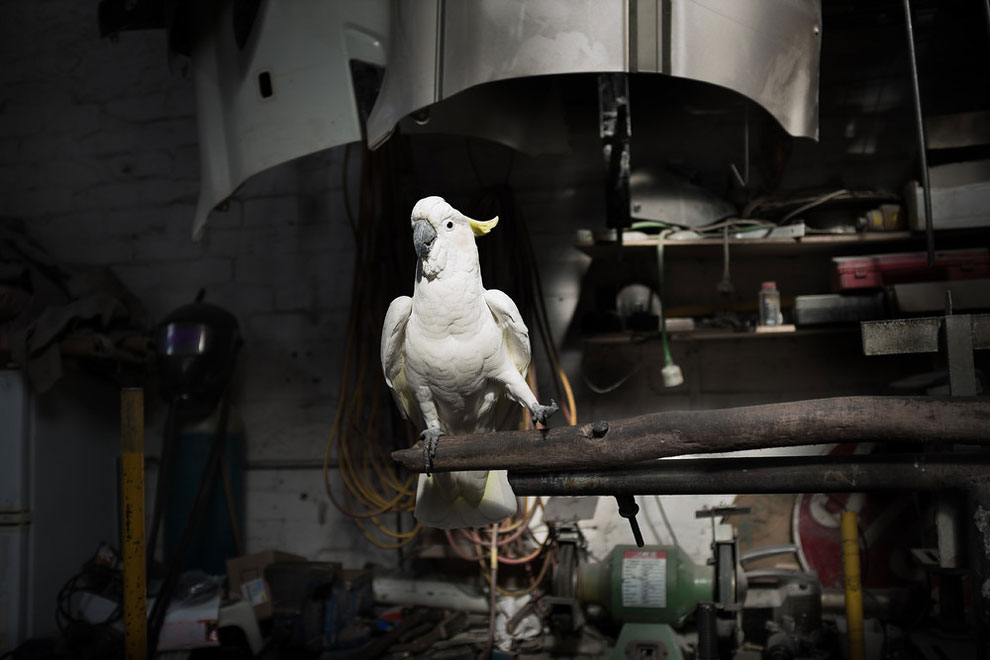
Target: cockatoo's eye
(450,225)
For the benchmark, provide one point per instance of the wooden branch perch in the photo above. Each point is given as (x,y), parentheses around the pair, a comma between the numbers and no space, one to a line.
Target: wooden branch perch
(818,421)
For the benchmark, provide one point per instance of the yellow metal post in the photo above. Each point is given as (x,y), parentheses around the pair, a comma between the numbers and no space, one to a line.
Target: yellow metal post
(132,515)
(854,586)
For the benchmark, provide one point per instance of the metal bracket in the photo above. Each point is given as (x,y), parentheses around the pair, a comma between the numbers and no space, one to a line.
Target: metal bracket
(15,518)
(959,334)
(628,510)
(616,132)
(959,345)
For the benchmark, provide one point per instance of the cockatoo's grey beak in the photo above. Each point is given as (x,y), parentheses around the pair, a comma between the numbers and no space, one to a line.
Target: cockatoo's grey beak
(423,236)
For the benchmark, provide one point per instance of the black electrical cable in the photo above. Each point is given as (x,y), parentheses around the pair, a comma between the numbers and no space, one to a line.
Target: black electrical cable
(80,637)
(920,135)
(164,475)
(204,494)
(83,582)
(95,577)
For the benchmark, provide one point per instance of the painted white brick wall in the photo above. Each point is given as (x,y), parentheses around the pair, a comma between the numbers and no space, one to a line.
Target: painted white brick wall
(99,155)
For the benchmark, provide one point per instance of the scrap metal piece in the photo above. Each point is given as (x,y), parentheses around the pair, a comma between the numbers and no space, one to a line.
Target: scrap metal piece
(266,104)
(921,335)
(900,336)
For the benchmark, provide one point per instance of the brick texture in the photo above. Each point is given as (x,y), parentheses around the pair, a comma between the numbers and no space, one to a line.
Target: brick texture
(99,156)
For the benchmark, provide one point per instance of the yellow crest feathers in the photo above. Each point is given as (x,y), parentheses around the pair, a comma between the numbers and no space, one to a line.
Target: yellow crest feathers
(482,227)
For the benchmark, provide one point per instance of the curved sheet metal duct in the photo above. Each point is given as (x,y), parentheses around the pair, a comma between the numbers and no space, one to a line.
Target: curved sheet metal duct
(287,93)
(767,50)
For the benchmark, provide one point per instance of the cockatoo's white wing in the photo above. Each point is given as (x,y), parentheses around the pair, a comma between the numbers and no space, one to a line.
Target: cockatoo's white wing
(516,334)
(394,359)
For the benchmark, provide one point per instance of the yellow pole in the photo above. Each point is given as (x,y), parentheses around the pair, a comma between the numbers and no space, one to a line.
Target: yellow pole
(132,515)
(854,586)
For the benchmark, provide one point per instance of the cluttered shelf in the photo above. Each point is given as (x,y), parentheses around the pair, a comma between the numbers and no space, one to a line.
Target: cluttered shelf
(125,354)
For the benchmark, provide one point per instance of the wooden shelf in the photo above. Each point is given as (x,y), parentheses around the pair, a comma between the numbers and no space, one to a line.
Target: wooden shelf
(717,334)
(760,246)
(835,244)
(122,346)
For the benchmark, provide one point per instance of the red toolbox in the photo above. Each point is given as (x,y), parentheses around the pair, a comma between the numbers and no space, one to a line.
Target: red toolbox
(879,270)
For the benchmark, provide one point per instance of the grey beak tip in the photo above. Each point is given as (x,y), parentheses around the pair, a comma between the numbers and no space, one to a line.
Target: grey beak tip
(423,237)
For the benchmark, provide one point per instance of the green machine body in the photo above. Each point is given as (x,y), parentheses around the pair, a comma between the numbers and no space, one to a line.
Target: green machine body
(652,584)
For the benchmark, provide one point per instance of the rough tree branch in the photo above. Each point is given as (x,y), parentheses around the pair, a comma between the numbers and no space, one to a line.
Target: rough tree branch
(935,420)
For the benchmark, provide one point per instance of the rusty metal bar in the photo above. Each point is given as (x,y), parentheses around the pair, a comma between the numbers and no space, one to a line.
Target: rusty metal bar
(931,420)
(767,474)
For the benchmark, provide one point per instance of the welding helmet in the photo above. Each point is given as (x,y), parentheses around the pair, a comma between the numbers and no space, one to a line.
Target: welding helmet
(196,348)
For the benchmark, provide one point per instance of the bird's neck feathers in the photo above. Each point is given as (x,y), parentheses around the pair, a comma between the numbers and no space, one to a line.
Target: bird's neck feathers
(454,275)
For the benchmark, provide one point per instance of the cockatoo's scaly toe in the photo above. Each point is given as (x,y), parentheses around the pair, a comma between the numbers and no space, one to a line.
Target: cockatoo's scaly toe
(429,437)
(542,413)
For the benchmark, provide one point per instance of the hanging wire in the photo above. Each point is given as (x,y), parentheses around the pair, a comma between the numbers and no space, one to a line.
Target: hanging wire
(360,437)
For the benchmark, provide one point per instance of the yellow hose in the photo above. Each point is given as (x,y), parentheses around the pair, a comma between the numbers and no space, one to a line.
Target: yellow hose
(854,586)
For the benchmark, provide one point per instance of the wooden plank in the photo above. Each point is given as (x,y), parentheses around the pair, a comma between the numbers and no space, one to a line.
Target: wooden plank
(132,517)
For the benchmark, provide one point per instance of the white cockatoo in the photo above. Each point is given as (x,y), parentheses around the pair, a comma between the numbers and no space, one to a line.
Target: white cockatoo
(451,354)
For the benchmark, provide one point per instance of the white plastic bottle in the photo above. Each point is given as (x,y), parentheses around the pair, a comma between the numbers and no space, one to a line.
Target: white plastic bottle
(770,305)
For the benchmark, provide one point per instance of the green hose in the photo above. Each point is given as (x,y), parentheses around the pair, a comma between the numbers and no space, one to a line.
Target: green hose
(665,229)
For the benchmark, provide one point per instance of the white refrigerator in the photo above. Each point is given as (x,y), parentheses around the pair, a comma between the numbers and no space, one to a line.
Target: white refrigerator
(58,493)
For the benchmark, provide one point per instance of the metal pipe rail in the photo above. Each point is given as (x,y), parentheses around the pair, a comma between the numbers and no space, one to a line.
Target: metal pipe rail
(768,474)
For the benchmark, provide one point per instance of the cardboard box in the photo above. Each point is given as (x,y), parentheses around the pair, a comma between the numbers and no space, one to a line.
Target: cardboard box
(246,576)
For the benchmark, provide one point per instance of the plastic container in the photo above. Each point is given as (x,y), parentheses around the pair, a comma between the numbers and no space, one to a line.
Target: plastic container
(874,271)
(770,305)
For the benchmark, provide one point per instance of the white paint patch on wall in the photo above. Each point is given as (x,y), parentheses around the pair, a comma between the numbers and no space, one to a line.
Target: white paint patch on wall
(290,510)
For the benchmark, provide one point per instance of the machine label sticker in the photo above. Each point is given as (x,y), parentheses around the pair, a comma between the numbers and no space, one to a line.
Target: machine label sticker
(254,591)
(644,579)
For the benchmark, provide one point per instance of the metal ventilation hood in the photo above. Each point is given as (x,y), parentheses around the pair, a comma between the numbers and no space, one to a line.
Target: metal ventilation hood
(284,88)
(766,50)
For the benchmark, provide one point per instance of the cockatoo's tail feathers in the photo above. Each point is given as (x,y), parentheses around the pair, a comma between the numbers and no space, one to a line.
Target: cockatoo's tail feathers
(482,227)
(441,506)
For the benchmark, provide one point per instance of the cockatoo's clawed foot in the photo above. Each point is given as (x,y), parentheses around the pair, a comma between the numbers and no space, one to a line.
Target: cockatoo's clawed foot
(542,413)
(429,437)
